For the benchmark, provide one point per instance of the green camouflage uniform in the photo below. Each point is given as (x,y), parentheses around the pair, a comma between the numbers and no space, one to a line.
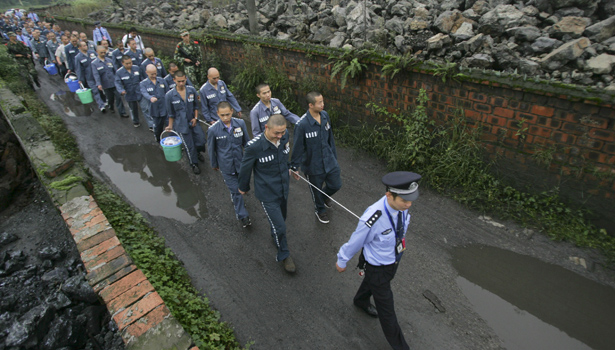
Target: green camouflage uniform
(193,72)
(19,48)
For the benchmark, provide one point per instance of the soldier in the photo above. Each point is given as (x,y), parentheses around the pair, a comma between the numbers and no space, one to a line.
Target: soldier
(169,78)
(104,77)
(23,55)
(183,111)
(213,92)
(127,80)
(83,68)
(265,108)
(189,53)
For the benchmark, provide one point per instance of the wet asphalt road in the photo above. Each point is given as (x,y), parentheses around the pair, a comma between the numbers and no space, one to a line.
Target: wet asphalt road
(236,267)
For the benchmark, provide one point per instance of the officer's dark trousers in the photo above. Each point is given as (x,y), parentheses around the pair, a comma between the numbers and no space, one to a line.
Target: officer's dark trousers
(276,214)
(134,111)
(195,142)
(232,182)
(332,181)
(377,283)
(115,99)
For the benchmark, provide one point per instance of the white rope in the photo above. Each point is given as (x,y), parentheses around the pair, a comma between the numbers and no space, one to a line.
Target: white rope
(319,190)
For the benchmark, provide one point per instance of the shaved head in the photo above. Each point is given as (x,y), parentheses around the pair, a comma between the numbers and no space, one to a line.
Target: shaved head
(276,120)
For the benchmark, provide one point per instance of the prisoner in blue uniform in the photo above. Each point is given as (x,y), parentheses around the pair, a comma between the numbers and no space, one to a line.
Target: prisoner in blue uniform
(267,156)
(83,69)
(71,50)
(314,151)
(153,90)
(169,80)
(117,55)
(151,59)
(213,92)
(127,83)
(182,109)
(135,54)
(104,77)
(226,139)
(265,108)
(39,47)
(381,233)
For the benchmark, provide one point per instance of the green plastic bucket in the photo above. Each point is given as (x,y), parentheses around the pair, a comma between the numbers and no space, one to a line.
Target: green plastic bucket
(85,95)
(172,146)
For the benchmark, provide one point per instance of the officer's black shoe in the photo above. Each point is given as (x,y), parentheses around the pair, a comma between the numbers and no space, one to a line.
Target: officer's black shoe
(201,158)
(322,217)
(370,310)
(328,202)
(289,265)
(245,222)
(195,169)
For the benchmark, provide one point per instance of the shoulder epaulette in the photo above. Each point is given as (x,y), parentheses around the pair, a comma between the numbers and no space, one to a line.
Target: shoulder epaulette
(373,218)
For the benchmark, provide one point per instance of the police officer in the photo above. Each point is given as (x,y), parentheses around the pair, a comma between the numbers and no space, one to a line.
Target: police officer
(169,78)
(23,38)
(189,54)
(153,90)
(266,107)
(127,80)
(23,55)
(39,47)
(71,50)
(104,78)
(183,112)
(100,33)
(314,151)
(225,142)
(150,58)
(213,92)
(134,53)
(381,233)
(267,156)
(83,69)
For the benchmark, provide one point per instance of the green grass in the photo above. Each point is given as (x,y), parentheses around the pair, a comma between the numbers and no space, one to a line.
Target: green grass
(81,8)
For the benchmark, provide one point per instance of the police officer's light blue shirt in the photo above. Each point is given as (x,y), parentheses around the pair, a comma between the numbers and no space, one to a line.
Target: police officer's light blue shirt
(378,241)
(171,83)
(159,67)
(225,146)
(71,52)
(104,72)
(99,33)
(314,147)
(210,97)
(83,69)
(129,82)
(180,110)
(24,39)
(158,90)
(270,165)
(137,57)
(259,115)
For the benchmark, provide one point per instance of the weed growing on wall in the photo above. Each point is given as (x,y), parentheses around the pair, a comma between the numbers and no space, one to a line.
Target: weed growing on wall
(450,158)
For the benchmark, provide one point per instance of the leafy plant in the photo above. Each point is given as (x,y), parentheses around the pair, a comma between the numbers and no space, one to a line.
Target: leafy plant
(448,70)
(398,64)
(348,64)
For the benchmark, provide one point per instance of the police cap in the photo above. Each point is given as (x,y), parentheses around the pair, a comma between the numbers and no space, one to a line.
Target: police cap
(97,23)
(403,183)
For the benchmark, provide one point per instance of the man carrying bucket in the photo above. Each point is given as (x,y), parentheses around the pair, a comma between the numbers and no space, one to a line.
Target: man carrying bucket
(71,50)
(183,112)
(104,77)
(225,142)
(153,90)
(83,68)
(127,80)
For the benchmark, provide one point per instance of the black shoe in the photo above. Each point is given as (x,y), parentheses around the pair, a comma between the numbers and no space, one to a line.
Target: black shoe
(136,125)
(103,110)
(370,310)
(201,158)
(245,222)
(322,217)
(289,265)
(151,129)
(123,115)
(195,169)
(328,202)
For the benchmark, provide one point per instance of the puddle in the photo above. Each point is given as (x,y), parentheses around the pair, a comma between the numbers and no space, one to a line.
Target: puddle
(71,105)
(152,184)
(534,305)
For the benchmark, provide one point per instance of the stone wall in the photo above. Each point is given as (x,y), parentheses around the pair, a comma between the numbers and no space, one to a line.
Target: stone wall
(516,122)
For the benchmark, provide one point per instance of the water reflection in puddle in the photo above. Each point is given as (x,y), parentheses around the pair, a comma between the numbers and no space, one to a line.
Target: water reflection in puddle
(152,184)
(71,105)
(534,305)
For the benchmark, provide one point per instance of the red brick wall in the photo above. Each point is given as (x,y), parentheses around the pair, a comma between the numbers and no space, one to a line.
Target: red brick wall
(515,123)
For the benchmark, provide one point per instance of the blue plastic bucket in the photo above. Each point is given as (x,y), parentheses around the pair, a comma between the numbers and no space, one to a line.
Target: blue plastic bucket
(172,152)
(51,68)
(72,81)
